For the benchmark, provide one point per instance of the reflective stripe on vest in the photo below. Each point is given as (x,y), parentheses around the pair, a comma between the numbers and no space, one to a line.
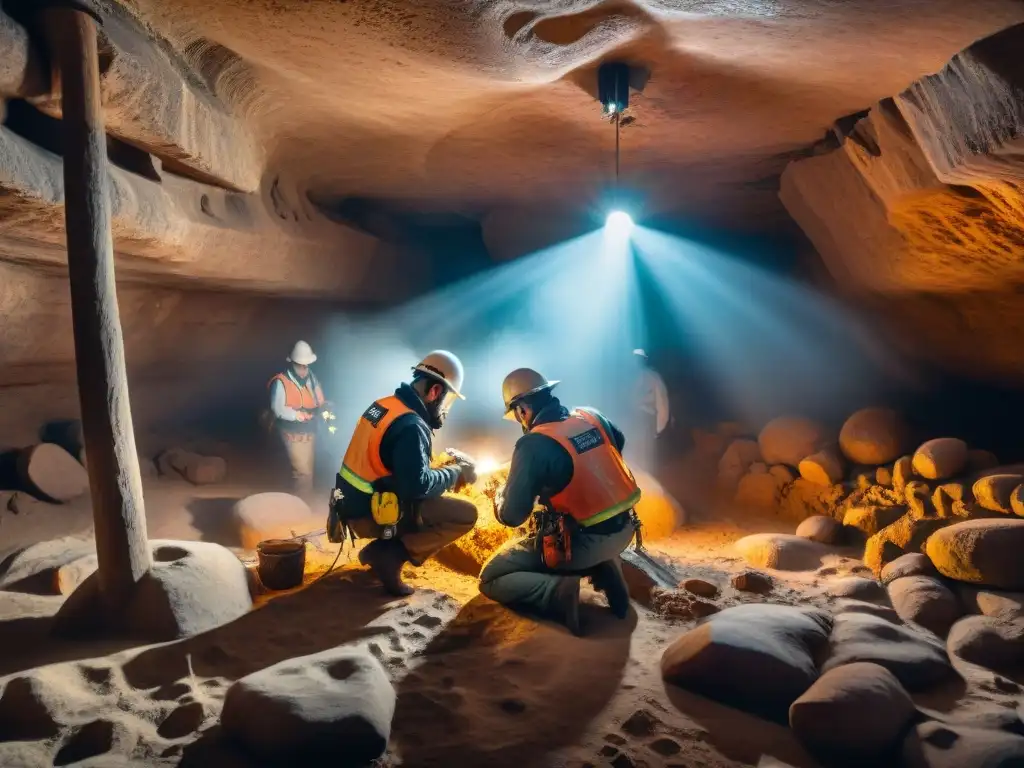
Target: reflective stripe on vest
(362,465)
(305,398)
(602,485)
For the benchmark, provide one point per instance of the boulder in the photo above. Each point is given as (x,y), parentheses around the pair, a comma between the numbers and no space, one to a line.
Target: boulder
(332,708)
(979,460)
(981,552)
(1017,501)
(854,712)
(883,476)
(925,601)
(34,568)
(857,588)
(273,516)
(870,520)
(203,470)
(758,658)
(908,534)
(193,587)
(917,659)
(700,587)
(821,468)
(991,602)
(752,581)
(994,643)
(873,436)
(782,474)
(940,458)
(902,473)
(736,461)
(781,551)
(943,745)
(788,439)
(819,528)
(52,472)
(994,492)
(172,462)
(910,564)
(757,490)
(951,499)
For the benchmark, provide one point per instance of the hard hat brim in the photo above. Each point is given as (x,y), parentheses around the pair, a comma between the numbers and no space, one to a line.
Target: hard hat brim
(512,403)
(311,360)
(439,380)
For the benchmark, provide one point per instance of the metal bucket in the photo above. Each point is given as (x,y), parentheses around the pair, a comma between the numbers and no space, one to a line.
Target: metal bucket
(282,563)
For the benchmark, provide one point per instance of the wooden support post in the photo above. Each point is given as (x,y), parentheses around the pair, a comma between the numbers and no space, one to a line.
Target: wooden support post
(117,507)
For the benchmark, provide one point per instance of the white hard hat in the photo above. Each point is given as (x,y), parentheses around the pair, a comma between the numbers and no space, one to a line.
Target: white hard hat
(302,354)
(445,368)
(521,383)
(640,353)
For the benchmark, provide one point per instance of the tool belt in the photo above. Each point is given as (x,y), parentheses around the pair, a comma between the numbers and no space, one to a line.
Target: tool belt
(385,509)
(555,532)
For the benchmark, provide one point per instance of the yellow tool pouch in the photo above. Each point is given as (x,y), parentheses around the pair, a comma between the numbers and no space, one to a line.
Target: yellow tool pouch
(385,509)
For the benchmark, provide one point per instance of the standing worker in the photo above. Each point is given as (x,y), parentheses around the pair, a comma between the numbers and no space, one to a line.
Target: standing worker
(296,400)
(572,464)
(651,410)
(386,488)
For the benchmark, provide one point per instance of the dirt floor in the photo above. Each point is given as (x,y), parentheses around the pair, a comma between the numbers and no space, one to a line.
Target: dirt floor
(477,684)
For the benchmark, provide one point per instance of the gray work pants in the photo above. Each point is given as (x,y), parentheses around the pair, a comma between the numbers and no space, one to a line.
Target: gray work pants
(439,521)
(301,450)
(516,575)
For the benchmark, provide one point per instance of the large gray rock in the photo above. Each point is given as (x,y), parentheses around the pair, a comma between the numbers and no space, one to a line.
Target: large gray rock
(992,602)
(910,564)
(193,587)
(925,601)
(331,708)
(758,658)
(873,436)
(944,745)
(273,516)
(984,551)
(918,660)
(788,439)
(940,458)
(994,643)
(855,712)
(52,472)
(781,551)
(857,588)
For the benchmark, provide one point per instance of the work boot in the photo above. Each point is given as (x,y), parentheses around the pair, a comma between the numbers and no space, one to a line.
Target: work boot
(608,579)
(386,558)
(565,603)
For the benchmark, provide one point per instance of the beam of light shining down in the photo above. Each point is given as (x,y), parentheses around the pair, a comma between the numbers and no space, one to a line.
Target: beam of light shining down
(770,346)
(619,224)
(571,311)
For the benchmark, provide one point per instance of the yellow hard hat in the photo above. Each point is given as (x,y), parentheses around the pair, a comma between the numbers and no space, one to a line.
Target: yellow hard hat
(521,383)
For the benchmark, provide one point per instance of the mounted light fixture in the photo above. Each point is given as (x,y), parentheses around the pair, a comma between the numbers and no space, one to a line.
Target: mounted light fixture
(613,93)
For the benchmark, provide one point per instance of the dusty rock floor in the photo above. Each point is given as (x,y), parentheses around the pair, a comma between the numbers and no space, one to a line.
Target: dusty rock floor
(477,685)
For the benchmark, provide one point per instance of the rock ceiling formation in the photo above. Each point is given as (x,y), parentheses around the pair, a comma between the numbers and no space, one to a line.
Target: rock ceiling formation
(239,129)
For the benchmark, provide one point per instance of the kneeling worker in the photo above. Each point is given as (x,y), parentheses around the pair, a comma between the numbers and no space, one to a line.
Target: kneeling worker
(572,463)
(386,489)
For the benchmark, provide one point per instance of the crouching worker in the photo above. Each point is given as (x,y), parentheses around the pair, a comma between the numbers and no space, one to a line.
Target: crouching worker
(386,489)
(571,463)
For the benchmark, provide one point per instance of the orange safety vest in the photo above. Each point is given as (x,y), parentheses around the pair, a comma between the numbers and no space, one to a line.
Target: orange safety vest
(602,485)
(362,465)
(306,398)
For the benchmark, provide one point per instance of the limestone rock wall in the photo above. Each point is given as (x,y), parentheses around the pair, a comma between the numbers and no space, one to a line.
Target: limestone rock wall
(919,215)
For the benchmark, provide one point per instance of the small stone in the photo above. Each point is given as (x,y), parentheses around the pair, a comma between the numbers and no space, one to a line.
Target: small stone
(940,458)
(910,564)
(781,551)
(918,498)
(338,702)
(873,436)
(857,588)
(902,473)
(264,516)
(701,587)
(925,601)
(819,528)
(981,552)
(70,576)
(993,643)
(859,710)
(994,492)
(870,520)
(789,439)
(821,468)
(204,470)
(52,472)
(883,476)
(753,581)
(947,500)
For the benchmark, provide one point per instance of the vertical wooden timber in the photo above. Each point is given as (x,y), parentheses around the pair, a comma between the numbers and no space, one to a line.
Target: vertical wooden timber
(114,480)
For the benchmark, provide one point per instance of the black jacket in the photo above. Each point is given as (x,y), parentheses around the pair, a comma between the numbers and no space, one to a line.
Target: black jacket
(405,450)
(541,467)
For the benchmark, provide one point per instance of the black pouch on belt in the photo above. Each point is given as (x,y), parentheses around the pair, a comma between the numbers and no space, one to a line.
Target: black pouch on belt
(337,523)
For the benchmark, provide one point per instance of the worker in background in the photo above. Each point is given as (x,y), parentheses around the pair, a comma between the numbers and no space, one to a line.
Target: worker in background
(386,488)
(569,463)
(651,410)
(296,401)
